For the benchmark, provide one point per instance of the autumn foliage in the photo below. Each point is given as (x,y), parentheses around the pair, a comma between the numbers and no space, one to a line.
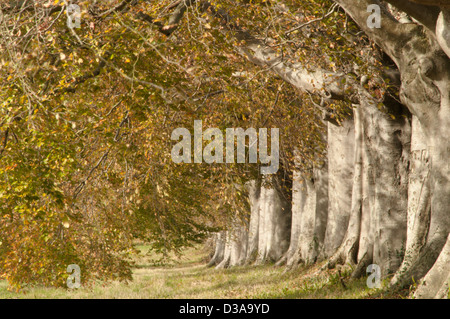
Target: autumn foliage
(86,116)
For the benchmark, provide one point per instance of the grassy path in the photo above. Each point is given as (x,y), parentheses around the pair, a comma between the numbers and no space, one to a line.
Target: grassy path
(189,278)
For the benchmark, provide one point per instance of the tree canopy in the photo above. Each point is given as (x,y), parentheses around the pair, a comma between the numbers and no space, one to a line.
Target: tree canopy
(87,114)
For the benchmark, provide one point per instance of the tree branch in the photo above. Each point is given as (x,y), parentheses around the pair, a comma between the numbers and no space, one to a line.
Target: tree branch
(174,19)
(72,88)
(327,84)
(392,33)
(332,9)
(119,7)
(425,15)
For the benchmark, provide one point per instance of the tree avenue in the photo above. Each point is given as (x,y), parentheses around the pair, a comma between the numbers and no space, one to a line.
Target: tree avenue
(88,112)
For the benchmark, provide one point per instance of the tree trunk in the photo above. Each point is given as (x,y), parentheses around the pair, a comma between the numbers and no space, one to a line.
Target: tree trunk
(309,216)
(306,248)
(273,226)
(422,57)
(348,251)
(340,174)
(419,200)
(392,147)
(387,138)
(239,242)
(443,30)
(366,238)
(227,251)
(322,206)
(377,228)
(436,283)
(254,190)
(426,91)
(439,221)
(235,246)
(219,248)
(299,195)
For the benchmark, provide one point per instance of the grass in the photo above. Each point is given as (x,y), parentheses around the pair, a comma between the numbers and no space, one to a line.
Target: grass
(188,277)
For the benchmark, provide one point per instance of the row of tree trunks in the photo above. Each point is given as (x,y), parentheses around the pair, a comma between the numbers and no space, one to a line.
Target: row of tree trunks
(425,90)
(396,214)
(265,239)
(321,201)
(376,230)
(219,248)
(352,209)
(230,247)
(377,212)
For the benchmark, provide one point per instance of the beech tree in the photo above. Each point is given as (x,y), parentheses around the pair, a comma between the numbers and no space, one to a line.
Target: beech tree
(364,112)
(424,68)
(377,226)
(86,119)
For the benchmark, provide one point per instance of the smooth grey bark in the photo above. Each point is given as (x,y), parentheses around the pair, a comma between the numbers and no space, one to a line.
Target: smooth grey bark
(340,174)
(437,281)
(306,246)
(322,206)
(376,231)
(418,188)
(219,248)
(232,246)
(420,55)
(391,185)
(419,199)
(443,31)
(366,238)
(309,216)
(264,239)
(254,189)
(299,195)
(387,139)
(273,226)
(348,251)
(426,90)
(239,245)
(224,263)
(298,199)
(235,249)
